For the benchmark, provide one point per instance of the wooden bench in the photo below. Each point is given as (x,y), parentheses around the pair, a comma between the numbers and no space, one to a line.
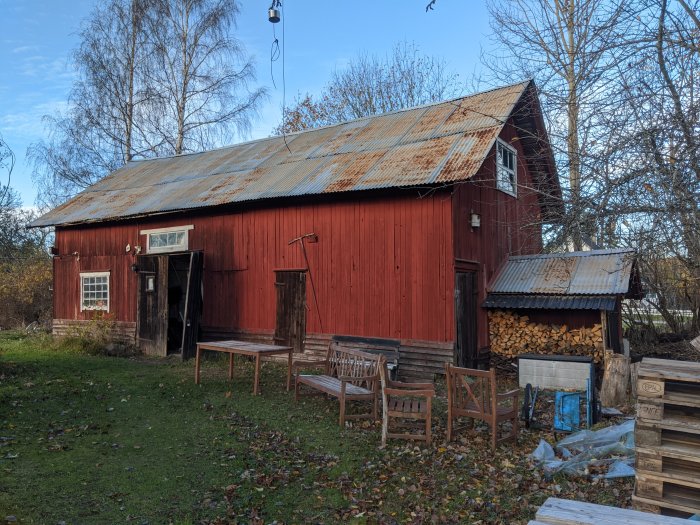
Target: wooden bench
(557,511)
(388,348)
(348,374)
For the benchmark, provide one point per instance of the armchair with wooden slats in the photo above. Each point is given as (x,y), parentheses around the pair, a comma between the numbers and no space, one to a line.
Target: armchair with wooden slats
(473,394)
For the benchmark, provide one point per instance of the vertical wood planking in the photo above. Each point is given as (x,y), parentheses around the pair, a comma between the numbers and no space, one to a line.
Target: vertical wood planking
(508,224)
(378,267)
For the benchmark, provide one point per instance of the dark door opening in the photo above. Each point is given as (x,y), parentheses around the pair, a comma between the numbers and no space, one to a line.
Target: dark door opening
(169,303)
(290,321)
(466,299)
(178,272)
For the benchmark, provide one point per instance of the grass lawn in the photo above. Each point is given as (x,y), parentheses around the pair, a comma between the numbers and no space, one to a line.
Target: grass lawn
(90,439)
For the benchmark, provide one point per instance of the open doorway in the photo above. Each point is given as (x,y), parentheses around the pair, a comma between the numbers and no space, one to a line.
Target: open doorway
(178,273)
(466,295)
(169,303)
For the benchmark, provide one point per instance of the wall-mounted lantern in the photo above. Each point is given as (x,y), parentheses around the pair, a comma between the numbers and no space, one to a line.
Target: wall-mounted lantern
(475,220)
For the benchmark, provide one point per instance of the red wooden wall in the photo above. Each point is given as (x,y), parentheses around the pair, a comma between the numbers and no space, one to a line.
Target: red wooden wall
(382,266)
(509,225)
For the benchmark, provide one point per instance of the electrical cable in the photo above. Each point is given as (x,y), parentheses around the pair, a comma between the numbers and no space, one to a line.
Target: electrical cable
(284,82)
(274,54)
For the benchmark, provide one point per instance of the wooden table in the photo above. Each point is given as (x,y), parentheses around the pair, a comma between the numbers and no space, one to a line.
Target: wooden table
(245,348)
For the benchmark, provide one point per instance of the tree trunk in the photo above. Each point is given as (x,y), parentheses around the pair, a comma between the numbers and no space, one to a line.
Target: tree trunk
(130,97)
(616,378)
(572,138)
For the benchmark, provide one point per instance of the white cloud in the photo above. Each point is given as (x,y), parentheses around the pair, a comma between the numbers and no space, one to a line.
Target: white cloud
(25,49)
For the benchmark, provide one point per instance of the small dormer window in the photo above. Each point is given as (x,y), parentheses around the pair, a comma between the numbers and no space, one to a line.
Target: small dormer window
(164,240)
(506,176)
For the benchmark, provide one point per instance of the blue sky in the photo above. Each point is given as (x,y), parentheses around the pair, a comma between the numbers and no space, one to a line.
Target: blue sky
(37,38)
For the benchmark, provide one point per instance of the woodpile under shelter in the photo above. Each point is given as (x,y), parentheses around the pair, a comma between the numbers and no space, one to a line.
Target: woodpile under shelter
(387,227)
(561,303)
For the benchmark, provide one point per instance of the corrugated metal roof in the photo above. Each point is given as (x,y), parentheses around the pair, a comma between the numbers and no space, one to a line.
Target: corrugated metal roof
(439,143)
(596,272)
(550,302)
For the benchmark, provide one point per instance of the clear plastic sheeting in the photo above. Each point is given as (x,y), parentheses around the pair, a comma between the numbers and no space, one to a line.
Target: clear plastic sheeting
(606,453)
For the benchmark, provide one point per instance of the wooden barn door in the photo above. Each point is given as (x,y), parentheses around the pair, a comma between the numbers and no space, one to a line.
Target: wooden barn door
(290,322)
(152,304)
(193,305)
(466,307)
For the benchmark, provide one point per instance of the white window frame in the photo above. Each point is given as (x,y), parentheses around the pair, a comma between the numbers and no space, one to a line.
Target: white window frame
(512,188)
(181,247)
(104,307)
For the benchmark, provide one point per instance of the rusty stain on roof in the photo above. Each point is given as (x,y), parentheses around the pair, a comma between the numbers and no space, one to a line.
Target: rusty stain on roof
(439,143)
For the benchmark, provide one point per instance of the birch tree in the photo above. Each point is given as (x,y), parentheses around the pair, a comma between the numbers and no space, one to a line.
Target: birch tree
(659,197)
(571,48)
(203,76)
(100,130)
(154,77)
(370,85)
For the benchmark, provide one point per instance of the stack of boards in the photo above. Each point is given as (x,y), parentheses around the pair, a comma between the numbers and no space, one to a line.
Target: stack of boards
(667,437)
(557,511)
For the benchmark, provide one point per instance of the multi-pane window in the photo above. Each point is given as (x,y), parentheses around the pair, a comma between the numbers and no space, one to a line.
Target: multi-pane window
(161,241)
(506,177)
(167,239)
(94,291)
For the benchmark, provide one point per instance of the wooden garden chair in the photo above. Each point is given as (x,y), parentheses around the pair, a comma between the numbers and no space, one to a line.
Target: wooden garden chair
(472,393)
(408,403)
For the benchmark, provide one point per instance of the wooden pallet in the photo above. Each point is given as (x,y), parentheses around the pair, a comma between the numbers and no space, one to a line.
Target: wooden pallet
(668,432)
(670,369)
(557,511)
(677,462)
(667,437)
(678,400)
(663,378)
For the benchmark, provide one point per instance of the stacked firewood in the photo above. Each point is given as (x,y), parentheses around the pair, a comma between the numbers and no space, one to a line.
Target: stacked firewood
(512,335)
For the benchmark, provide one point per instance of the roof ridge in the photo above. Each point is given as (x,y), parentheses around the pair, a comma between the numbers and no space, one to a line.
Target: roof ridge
(294,134)
(581,253)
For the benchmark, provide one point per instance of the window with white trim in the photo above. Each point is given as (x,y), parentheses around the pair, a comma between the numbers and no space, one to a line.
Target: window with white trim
(506,162)
(164,240)
(94,291)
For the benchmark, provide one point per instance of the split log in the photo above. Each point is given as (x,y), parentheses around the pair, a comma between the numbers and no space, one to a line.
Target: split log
(616,377)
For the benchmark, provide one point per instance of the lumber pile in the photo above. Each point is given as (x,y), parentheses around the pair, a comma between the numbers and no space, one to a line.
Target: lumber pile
(557,511)
(512,335)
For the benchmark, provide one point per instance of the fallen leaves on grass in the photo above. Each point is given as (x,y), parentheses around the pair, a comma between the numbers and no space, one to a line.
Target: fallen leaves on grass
(457,482)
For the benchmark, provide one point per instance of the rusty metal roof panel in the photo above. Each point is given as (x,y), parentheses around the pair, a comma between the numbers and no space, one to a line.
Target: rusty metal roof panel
(384,131)
(467,155)
(408,164)
(596,272)
(427,122)
(437,143)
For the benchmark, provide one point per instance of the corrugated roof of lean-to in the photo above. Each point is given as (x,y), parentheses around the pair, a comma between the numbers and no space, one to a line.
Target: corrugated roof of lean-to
(595,272)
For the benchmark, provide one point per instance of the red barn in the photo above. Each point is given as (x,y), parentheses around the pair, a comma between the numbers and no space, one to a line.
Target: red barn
(384,227)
